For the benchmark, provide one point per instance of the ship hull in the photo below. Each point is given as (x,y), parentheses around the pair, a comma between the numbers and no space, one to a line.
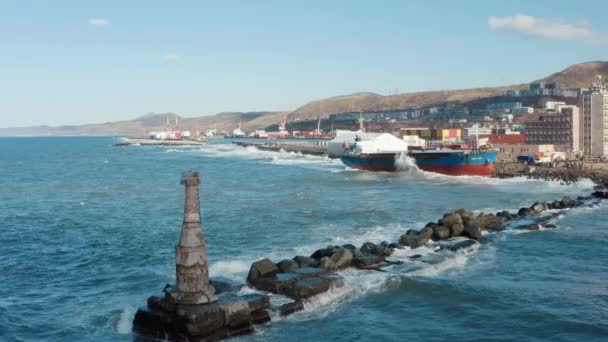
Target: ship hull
(453,164)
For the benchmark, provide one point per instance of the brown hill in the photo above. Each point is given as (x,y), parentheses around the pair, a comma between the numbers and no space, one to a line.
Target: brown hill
(578,75)
(575,76)
(370,101)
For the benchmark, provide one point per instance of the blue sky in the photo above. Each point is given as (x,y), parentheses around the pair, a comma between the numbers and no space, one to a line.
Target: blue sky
(75,62)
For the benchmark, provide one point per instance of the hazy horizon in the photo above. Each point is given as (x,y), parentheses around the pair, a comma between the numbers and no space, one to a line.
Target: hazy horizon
(72,63)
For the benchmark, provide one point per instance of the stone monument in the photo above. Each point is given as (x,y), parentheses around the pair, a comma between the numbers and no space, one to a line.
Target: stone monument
(191,271)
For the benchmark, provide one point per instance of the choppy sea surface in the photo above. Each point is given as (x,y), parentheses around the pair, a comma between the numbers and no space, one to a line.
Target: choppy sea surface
(88,233)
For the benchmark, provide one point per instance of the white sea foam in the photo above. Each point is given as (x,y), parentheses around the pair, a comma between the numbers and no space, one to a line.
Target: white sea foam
(407,165)
(458,260)
(229,268)
(125,322)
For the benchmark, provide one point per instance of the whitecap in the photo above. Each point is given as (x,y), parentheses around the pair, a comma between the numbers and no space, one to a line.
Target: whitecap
(125,322)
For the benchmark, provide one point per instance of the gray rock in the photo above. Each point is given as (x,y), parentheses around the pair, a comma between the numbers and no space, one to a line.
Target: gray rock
(319,253)
(403,240)
(289,308)
(463,245)
(568,202)
(151,324)
(368,248)
(349,246)
(461,211)
(456,230)
(472,231)
(260,317)
(287,265)
(261,269)
(601,194)
(489,222)
(415,241)
(307,288)
(222,285)
(426,232)
(326,264)
(304,261)
(451,220)
(330,250)
(342,258)
(556,205)
(256,301)
(441,233)
(275,284)
(367,260)
(524,212)
(394,245)
(538,207)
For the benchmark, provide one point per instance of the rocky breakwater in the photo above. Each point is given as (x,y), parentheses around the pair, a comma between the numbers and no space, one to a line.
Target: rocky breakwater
(303,277)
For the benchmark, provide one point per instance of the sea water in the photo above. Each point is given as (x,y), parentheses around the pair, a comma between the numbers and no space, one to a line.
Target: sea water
(88,233)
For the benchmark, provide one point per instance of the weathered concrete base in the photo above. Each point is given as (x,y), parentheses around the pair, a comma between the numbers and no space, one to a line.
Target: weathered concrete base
(232,316)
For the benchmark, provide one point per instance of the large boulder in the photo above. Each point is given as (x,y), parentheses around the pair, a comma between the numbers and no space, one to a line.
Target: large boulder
(456,230)
(350,246)
(309,287)
(463,245)
(415,241)
(489,222)
(342,258)
(289,308)
(556,205)
(601,194)
(320,253)
(368,248)
(275,284)
(287,265)
(440,233)
(523,212)
(256,301)
(568,202)
(262,269)
(426,232)
(304,261)
(367,260)
(326,264)
(452,219)
(472,231)
(538,207)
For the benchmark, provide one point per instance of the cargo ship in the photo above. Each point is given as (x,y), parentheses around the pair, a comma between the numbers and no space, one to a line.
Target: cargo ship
(448,162)
(382,152)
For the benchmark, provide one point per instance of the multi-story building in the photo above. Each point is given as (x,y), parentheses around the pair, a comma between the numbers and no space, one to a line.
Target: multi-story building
(543,89)
(561,129)
(594,118)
